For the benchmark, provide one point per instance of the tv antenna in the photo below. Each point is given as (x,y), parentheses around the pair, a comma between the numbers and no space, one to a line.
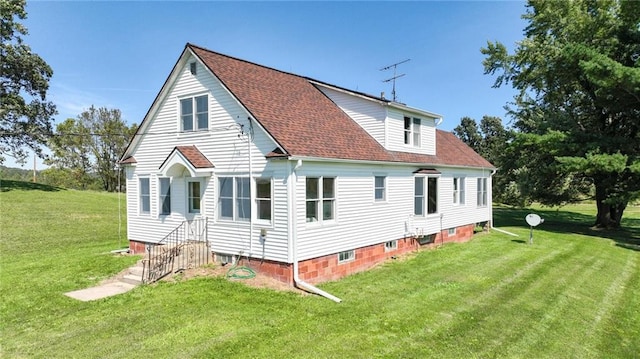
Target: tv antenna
(394,66)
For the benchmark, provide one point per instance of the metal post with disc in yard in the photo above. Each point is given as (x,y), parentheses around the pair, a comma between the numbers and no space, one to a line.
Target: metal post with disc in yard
(533,220)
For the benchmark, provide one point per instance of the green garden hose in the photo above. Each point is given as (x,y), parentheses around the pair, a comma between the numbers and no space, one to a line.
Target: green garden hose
(241,272)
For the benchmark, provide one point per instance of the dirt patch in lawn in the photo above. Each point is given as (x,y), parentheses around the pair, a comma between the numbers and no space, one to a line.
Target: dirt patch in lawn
(258,281)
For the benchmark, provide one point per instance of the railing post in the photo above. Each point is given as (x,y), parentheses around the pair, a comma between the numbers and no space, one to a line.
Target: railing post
(176,247)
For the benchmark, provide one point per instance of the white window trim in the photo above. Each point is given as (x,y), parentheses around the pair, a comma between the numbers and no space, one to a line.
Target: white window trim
(234,199)
(255,200)
(391,246)
(351,256)
(181,131)
(425,197)
(321,221)
(140,211)
(160,195)
(412,131)
(385,188)
(461,193)
(202,190)
(485,191)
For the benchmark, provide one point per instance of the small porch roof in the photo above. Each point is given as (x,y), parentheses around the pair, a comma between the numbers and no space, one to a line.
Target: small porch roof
(188,157)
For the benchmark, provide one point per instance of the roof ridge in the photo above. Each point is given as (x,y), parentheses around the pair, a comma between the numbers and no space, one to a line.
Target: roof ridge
(247,61)
(304,77)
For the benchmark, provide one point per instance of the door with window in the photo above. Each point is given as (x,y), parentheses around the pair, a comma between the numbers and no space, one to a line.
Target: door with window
(195,190)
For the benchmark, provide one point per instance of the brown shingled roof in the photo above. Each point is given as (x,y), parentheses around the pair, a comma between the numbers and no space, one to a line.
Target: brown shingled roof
(129,160)
(306,123)
(193,155)
(450,151)
(300,117)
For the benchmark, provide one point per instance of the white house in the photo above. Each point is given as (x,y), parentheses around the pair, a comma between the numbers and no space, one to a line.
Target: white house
(305,180)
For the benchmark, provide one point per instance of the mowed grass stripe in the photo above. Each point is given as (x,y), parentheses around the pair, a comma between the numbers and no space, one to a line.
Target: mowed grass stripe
(475,322)
(547,302)
(462,310)
(612,298)
(621,329)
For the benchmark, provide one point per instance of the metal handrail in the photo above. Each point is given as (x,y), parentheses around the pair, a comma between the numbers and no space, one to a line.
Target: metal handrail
(185,247)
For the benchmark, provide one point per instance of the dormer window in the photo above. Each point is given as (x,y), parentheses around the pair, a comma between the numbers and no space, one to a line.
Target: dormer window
(412,131)
(194,113)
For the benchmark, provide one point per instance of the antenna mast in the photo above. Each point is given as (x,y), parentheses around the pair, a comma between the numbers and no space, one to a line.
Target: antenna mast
(393,91)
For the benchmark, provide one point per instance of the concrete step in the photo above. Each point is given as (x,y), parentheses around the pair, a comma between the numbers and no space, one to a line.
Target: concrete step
(137,271)
(132,279)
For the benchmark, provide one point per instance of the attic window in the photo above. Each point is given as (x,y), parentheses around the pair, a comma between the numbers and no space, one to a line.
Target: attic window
(193,68)
(194,113)
(412,131)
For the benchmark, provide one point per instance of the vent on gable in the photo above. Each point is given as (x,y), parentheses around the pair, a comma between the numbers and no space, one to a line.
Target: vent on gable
(192,68)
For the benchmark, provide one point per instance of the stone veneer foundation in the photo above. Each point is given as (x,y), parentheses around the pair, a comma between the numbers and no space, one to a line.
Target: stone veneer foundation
(327,268)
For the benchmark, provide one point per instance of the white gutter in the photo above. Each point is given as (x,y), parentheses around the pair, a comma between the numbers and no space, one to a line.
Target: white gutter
(299,283)
(252,194)
(370,162)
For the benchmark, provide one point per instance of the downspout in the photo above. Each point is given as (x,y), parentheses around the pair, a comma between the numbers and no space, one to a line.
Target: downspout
(493,172)
(299,283)
(251,189)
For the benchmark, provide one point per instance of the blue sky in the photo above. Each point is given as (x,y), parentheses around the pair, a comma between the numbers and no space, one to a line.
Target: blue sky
(118,54)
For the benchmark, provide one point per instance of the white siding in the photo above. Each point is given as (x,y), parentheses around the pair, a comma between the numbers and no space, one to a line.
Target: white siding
(229,153)
(368,114)
(360,221)
(395,133)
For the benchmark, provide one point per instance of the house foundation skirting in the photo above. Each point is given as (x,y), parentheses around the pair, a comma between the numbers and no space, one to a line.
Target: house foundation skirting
(136,247)
(327,268)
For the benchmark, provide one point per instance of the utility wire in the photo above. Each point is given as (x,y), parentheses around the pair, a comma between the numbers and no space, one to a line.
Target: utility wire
(105,134)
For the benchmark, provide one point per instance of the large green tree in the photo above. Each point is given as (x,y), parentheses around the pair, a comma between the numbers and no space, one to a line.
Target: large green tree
(25,113)
(578,107)
(490,139)
(90,146)
(71,158)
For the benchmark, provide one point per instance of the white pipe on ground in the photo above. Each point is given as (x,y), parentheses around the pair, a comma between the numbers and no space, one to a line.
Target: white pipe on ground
(299,283)
(505,232)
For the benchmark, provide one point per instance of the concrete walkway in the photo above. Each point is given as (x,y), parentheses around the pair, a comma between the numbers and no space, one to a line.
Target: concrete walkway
(121,283)
(101,291)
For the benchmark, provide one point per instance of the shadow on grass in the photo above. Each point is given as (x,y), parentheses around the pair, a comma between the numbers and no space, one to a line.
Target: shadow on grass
(518,241)
(7,185)
(564,221)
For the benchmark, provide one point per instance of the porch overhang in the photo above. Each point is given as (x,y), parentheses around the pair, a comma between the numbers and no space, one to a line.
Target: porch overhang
(187,158)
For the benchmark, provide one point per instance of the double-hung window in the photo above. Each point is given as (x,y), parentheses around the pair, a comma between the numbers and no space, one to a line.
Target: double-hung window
(320,199)
(194,113)
(194,196)
(482,192)
(243,199)
(234,198)
(379,188)
(145,196)
(425,195)
(165,195)
(412,134)
(418,196)
(458,190)
(263,199)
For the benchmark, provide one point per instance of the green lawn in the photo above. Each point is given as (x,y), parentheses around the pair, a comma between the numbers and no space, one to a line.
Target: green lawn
(574,293)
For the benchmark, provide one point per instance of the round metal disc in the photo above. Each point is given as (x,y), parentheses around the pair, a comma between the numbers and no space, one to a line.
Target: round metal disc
(533,219)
